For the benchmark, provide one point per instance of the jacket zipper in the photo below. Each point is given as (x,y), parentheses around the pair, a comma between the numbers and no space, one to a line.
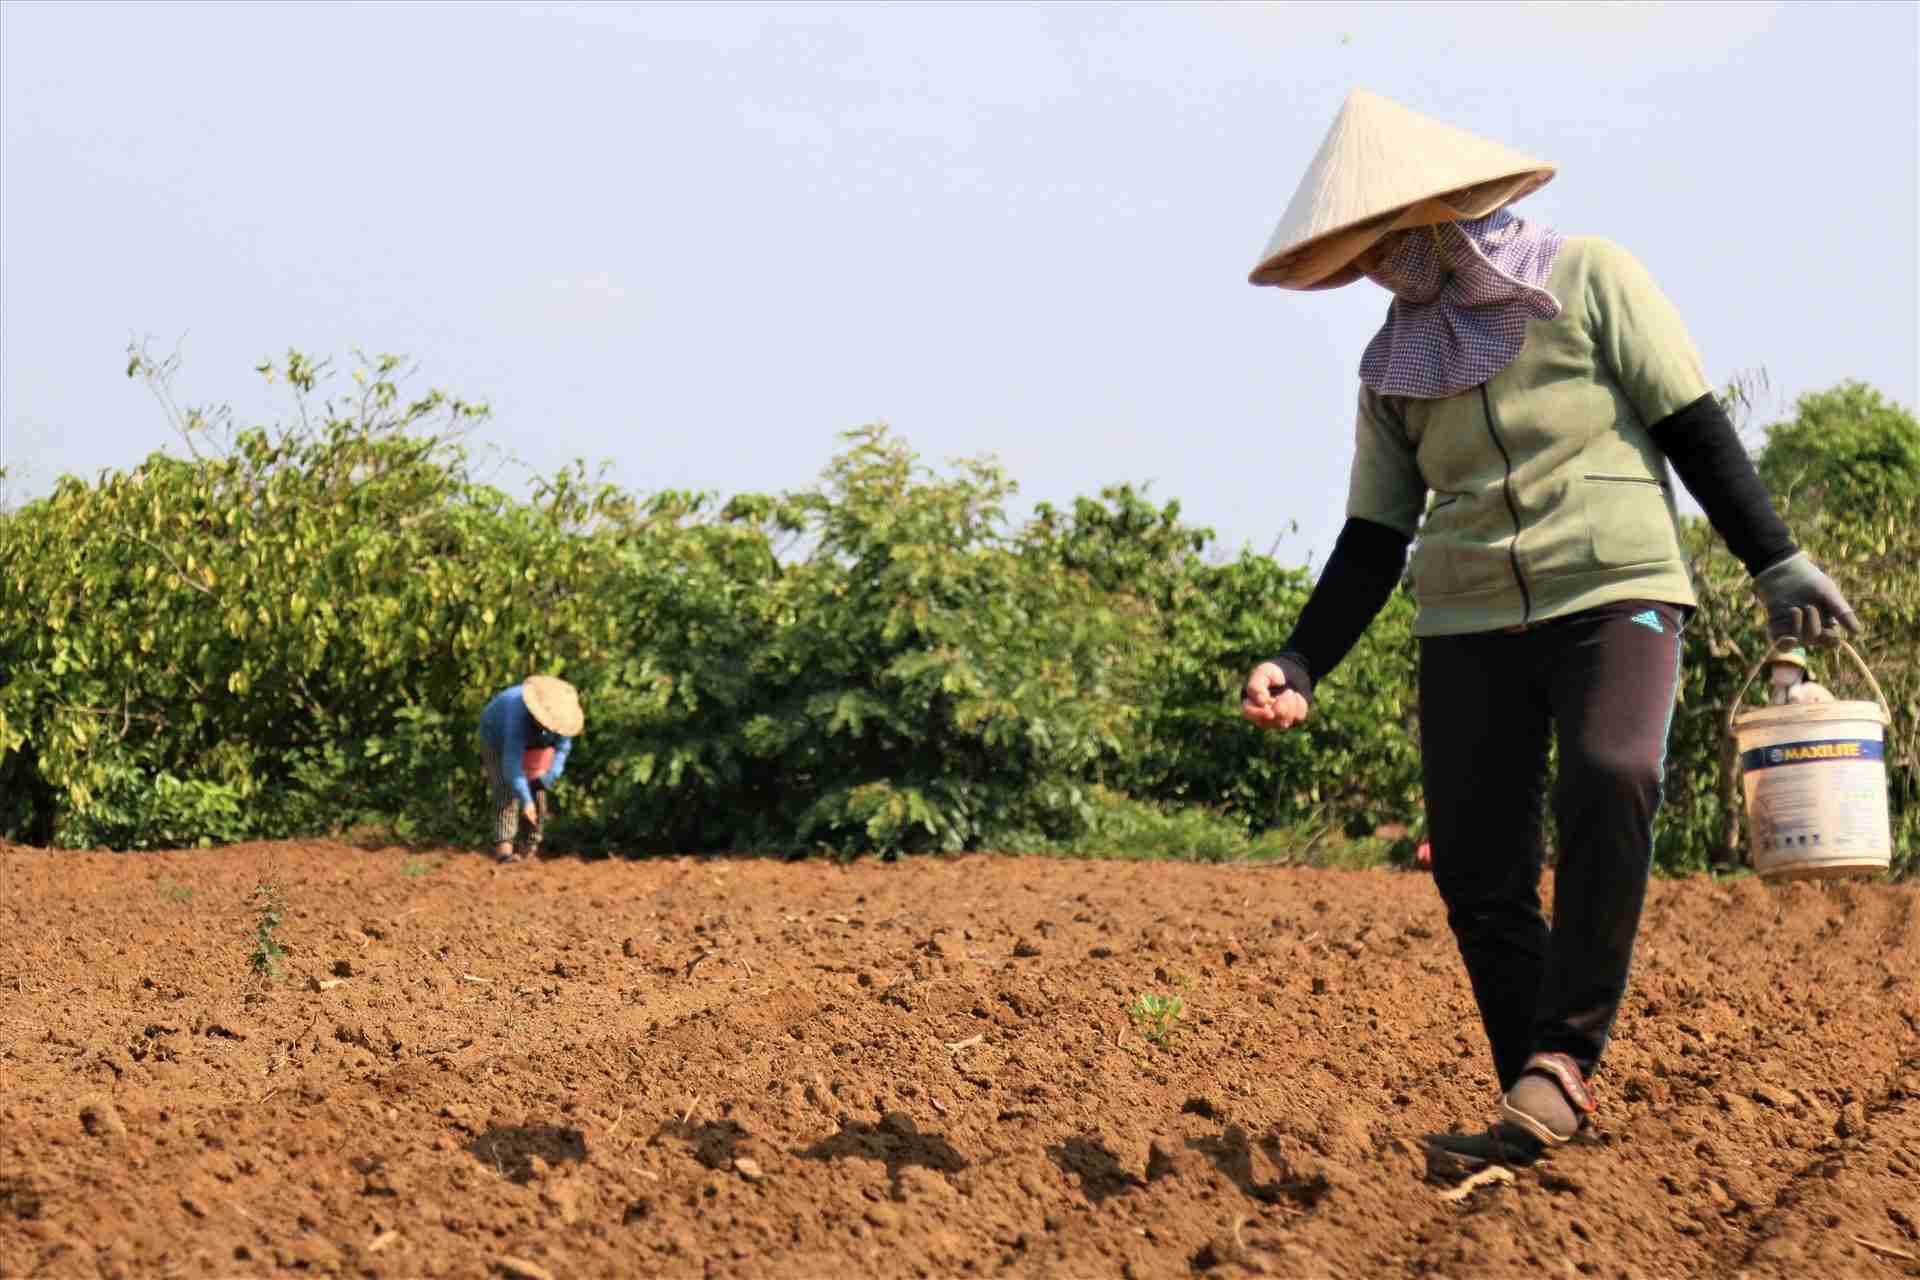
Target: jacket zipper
(1513,509)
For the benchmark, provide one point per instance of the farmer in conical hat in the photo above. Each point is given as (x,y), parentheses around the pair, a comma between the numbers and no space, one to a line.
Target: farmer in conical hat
(1519,409)
(526,734)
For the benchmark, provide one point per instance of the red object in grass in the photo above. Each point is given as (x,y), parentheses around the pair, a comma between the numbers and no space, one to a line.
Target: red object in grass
(1423,856)
(537,761)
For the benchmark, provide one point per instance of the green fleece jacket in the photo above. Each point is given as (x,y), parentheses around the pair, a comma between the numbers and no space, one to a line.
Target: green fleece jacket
(1539,493)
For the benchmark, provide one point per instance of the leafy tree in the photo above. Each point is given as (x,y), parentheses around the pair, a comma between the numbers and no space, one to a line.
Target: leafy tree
(1846,446)
(934,684)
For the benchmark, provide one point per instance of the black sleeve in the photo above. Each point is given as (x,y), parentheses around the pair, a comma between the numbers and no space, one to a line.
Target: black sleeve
(1700,442)
(1359,578)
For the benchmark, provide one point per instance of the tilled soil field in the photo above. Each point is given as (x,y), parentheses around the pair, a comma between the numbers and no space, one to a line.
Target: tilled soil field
(736,1067)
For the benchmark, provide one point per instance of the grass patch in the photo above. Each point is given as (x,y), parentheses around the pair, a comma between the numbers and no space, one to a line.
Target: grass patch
(1361,853)
(1134,830)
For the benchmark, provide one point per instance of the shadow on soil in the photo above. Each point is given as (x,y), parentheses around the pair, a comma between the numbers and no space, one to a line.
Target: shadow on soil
(895,1140)
(511,1148)
(1232,1155)
(1100,1172)
(18,1197)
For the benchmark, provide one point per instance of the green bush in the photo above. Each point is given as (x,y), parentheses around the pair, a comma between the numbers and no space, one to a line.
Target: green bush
(1849,463)
(914,680)
(1358,764)
(1846,469)
(294,629)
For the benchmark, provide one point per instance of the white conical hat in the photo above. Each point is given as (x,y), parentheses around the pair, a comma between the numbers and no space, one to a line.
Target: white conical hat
(1383,168)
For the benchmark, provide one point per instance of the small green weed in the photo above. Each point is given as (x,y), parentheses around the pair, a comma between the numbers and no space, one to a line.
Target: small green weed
(172,891)
(416,866)
(1157,1018)
(267,951)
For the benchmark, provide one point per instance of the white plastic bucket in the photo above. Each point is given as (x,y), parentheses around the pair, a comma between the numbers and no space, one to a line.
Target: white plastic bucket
(1815,778)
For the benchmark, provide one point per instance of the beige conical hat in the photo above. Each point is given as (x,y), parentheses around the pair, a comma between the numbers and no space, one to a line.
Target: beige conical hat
(554,703)
(1383,168)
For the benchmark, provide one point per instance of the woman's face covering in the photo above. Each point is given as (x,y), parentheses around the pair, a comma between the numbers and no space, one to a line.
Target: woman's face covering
(1409,264)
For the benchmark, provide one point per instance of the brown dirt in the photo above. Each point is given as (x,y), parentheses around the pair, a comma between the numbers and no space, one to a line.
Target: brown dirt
(748,1068)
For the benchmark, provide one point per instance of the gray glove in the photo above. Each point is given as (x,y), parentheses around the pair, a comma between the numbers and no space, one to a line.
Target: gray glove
(1802,602)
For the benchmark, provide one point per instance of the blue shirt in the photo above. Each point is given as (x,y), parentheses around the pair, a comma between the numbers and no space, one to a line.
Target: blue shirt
(509,730)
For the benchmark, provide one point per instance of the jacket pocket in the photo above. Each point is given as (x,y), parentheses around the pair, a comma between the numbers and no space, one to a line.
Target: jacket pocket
(1629,520)
(1462,548)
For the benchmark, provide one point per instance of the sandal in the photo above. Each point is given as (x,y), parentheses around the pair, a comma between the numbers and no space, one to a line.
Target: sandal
(1551,1101)
(504,858)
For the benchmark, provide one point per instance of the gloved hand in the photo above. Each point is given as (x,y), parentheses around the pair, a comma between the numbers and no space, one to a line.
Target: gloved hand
(1802,602)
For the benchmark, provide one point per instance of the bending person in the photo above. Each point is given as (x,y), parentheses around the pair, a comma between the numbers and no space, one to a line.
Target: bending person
(526,734)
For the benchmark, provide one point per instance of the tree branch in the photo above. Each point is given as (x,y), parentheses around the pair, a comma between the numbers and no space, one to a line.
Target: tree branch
(178,572)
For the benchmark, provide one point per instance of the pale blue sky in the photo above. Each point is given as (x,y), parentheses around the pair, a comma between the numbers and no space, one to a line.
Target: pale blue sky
(699,241)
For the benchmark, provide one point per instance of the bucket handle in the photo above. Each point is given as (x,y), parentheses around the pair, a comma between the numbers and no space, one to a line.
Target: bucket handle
(1789,642)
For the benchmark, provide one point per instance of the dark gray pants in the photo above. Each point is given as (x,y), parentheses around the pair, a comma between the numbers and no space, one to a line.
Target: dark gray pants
(506,804)
(1602,683)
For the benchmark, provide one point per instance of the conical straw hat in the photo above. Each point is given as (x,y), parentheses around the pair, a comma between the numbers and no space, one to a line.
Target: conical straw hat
(1382,168)
(554,703)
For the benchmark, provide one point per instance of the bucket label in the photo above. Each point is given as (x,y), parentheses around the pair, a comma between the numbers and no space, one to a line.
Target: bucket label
(1821,751)
(1803,819)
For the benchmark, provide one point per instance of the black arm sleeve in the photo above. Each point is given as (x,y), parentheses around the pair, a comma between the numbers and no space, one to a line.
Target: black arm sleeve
(1359,578)
(1700,443)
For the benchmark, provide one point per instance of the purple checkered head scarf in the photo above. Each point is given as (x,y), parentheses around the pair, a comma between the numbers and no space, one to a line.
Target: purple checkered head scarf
(1463,293)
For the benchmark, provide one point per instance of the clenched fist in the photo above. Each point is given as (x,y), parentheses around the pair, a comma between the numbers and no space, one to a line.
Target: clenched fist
(1268,702)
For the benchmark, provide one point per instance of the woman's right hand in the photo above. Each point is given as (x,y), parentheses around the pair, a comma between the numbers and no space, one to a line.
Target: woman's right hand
(1268,702)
